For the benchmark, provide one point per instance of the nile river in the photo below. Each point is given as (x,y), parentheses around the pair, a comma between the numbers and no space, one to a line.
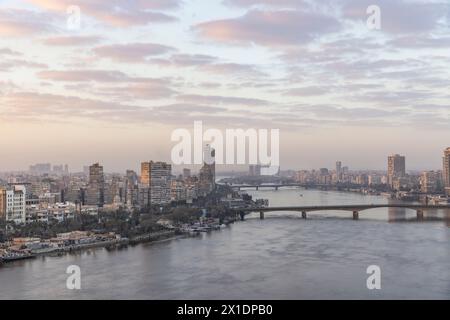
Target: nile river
(281,257)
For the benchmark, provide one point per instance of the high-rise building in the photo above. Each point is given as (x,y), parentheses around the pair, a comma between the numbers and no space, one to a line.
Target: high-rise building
(96,174)
(13,204)
(207,177)
(446,171)
(186,173)
(145,173)
(131,188)
(157,177)
(41,168)
(430,181)
(94,194)
(254,170)
(338,167)
(160,183)
(396,168)
(339,170)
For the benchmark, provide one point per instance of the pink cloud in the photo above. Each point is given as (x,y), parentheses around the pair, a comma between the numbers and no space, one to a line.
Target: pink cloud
(281,27)
(132,52)
(19,23)
(71,41)
(83,76)
(114,12)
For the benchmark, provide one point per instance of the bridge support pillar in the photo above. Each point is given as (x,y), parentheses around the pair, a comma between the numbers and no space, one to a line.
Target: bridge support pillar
(276,188)
(257,188)
(355,215)
(420,215)
(242,214)
(261,215)
(303,214)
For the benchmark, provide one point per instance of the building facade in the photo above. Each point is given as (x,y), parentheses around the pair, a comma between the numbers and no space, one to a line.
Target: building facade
(157,176)
(396,168)
(95,192)
(430,182)
(13,204)
(446,171)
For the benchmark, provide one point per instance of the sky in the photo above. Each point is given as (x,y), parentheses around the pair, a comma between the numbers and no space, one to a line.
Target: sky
(113,88)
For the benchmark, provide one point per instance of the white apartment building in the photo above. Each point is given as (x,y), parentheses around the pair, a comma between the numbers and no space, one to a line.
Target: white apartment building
(13,204)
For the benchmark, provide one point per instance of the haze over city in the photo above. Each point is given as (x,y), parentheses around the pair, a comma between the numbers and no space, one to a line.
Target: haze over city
(115,88)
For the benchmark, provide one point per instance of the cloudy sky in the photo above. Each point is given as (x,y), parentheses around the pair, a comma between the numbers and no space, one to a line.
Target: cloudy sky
(115,88)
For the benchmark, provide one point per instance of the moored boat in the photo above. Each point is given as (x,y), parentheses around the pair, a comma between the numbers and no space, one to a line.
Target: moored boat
(15,256)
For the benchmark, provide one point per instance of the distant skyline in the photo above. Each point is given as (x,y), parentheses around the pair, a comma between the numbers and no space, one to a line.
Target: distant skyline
(136,166)
(113,90)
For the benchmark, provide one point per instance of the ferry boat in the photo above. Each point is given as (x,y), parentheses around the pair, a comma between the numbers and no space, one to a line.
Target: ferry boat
(15,256)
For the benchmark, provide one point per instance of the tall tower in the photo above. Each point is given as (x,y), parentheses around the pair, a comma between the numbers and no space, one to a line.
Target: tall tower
(208,171)
(145,173)
(446,170)
(339,170)
(96,174)
(396,167)
(95,193)
(156,176)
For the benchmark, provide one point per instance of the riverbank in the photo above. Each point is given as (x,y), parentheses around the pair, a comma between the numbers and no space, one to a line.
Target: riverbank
(157,237)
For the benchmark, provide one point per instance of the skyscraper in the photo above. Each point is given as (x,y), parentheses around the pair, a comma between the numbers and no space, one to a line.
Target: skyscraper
(338,167)
(339,170)
(446,171)
(95,191)
(145,173)
(254,170)
(396,168)
(208,171)
(186,173)
(156,176)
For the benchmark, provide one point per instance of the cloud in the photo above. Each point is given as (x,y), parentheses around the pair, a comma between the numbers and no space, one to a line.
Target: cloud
(68,41)
(189,109)
(269,28)
(132,52)
(308,91)
(202,99)
(186,60)
(13,64)
(22,23)
(268,3)
(84,76)
(115,12)
(400,16)
(9,52)
(232,70)
(415,42)
(137,91)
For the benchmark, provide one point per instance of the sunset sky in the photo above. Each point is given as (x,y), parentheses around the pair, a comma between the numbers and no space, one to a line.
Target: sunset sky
(114,89)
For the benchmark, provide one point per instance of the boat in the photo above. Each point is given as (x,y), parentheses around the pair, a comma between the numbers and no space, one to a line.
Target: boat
(14,256)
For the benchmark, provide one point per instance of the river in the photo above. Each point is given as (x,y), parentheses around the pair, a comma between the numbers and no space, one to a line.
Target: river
(281,257)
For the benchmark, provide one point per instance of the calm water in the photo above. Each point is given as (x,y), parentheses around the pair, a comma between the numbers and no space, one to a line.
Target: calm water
(282,257)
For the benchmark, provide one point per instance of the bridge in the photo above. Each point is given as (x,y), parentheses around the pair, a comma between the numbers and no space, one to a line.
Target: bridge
(276,186)
(355,209)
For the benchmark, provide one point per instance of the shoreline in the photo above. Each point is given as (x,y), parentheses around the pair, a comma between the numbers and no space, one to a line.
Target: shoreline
(107,245)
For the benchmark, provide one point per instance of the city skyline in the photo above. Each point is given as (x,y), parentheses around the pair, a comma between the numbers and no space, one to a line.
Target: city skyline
(142,166)
(117,86)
